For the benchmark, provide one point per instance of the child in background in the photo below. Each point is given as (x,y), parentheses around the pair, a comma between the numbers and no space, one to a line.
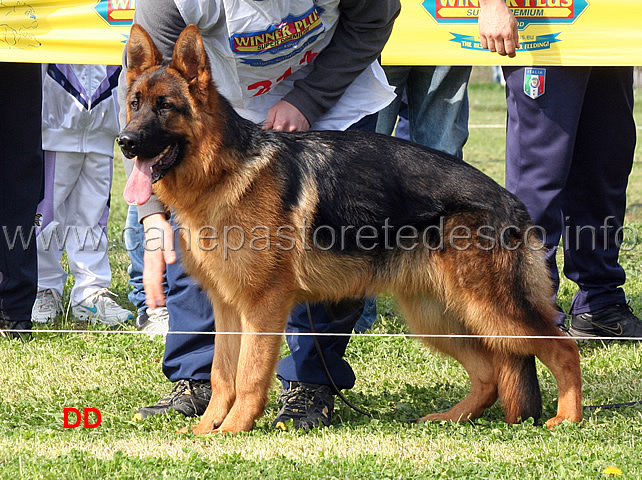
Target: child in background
(79,126)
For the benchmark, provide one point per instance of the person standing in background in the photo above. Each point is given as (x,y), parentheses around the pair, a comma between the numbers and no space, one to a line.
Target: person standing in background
(570,142)
(79,126)
(437,105)
(20,187)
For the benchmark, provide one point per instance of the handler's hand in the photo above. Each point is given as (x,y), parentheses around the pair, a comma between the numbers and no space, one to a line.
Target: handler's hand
(159,251)
(285,117)
(498,27)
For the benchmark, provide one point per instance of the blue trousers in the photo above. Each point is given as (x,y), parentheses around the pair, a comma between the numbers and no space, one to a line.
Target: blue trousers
(190,356)
(135,245)
(569,153)
(437,99)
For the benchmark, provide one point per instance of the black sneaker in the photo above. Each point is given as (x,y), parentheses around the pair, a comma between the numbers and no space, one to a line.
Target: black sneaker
(188,397)
(307,405)
(15,325)
(615,321)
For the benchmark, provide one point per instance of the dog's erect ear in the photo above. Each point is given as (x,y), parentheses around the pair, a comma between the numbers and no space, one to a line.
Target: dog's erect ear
(141,52)
(190,59)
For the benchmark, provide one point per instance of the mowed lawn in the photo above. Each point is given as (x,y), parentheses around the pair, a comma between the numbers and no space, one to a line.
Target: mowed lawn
(397,380)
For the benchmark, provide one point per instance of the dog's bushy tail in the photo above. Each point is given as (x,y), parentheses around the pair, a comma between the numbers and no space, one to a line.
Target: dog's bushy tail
(518,387)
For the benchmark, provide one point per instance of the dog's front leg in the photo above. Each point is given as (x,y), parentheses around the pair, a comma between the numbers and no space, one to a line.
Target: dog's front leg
(257,362)
(224,367)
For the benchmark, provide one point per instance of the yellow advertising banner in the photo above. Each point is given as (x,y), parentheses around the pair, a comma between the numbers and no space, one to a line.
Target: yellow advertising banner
(551,32)
(428,32)
(64,31)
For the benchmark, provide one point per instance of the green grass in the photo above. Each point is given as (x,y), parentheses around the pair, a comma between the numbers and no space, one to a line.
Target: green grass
(396,380)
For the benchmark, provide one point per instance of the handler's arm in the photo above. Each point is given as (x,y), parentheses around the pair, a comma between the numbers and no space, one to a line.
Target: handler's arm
(363,30)
(498,27)
(159,251)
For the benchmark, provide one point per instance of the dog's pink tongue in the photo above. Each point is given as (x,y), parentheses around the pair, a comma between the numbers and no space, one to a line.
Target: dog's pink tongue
(139,185)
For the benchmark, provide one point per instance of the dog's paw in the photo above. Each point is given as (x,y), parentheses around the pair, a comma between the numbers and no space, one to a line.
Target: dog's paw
(551,423)
(204,429)
(235,427)
(199,429)
(446,417)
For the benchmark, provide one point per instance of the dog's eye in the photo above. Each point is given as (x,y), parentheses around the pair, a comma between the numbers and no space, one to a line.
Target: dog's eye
(134,104)
(166,106)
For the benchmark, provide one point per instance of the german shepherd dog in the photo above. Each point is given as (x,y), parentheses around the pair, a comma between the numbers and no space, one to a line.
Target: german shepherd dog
(342,215)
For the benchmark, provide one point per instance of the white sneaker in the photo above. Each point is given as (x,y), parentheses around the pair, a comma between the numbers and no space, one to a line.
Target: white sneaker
(155,321)
(100,307)
(46,307)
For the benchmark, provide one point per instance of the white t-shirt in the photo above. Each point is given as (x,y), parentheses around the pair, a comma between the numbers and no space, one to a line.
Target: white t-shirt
(259,48)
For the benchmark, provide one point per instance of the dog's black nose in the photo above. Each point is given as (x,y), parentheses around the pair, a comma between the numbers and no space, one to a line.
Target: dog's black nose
(128,142)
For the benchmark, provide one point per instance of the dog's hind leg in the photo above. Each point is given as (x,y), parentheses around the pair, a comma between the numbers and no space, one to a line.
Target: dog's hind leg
(224,368)
(517,377)
(518,382)
(483,385)
(505,297)
(426,316)
(561,357)
(529,316)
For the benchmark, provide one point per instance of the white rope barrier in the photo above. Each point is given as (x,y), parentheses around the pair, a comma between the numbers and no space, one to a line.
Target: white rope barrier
(308,334)
(503,125)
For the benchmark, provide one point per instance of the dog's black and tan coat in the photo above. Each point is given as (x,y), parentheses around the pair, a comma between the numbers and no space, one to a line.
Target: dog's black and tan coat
(332,215)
